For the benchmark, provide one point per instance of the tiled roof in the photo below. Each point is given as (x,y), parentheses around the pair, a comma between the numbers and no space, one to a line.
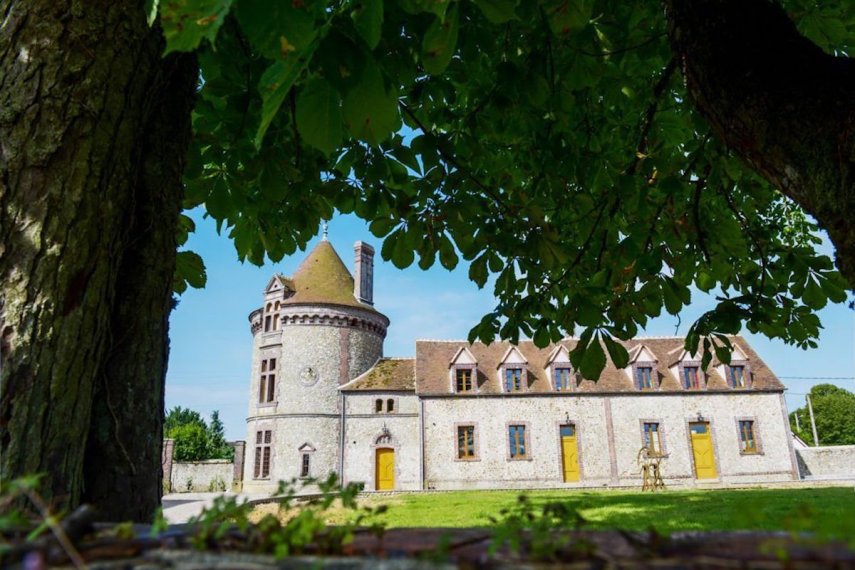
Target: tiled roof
(393,374)
(322,278)
(434,357)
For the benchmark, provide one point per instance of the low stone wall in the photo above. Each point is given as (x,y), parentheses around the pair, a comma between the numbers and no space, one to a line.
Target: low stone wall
(831,462)
(202,476)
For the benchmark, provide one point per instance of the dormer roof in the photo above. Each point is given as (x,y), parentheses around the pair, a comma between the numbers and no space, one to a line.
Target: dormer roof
(463,356)
(559,355)
(279,282)
(513,356)
(640,353)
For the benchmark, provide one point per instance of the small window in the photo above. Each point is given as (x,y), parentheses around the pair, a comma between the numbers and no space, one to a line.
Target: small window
(568,430)
(276,317)
(644,377)
(465,442)
(378,406)
(513,379)
(390,405)
(267,323)
(263,439)
(747,437)
(652,438)
(304,467)
(562,379)
(267,381)
(463,379)
(736,375)
(691,378)
(517,442)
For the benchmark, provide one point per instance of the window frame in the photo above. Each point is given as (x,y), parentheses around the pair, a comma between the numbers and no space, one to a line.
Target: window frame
(503,371)
(476,449)
(663,445)
(571,377)
(456,380)
(267,373)
(758,444)
(529,455)
(452,376)
(746,374)
(263,443)
(654,383)
(702,377)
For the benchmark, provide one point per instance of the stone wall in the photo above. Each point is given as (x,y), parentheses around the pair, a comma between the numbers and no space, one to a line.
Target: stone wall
(609,437)
(364,434)
(830,462)
(202,476)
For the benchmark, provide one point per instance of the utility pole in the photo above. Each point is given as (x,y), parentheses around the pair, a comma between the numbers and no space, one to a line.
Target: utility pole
(812,421)
(796,415)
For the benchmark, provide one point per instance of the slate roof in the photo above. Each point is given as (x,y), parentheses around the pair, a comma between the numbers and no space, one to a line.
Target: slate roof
(433,358)
(388,374)
(322,278)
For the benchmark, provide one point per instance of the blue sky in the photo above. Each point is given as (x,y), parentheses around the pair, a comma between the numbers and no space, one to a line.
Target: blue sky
(211,344)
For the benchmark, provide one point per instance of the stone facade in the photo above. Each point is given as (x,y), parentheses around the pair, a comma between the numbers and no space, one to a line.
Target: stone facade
(445,417)
(202,476)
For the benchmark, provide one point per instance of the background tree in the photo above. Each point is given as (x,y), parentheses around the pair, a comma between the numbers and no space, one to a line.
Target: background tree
(194,439)
(834,411)
(552,144)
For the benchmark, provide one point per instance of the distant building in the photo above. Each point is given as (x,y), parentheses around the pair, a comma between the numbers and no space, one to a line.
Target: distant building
(464,416)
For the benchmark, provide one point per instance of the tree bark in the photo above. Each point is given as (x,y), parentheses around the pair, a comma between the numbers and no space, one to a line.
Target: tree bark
(94,126)
(778,101)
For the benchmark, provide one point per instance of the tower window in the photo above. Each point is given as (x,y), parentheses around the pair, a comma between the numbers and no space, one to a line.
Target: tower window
(378,406)
(390,405)
(304,467)
(263,440)
(267,381)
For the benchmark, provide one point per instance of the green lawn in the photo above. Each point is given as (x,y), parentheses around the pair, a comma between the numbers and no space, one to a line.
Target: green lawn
(829,510)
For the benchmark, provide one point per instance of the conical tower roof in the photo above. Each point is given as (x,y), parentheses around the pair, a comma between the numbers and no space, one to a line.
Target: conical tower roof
(323,278)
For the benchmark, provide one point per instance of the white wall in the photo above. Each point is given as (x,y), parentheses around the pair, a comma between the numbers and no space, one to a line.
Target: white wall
(831,462)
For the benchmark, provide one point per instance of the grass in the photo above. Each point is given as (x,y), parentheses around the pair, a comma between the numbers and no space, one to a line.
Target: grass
(829,510)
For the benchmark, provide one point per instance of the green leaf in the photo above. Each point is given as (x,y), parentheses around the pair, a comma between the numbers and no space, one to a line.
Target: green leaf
(541,337)
(274,86)
(277,29)
(594,359)
(814,297)
(319,115)
(189,270)
(567,16)
(447,255)
(617,352)
(370,109)
(439,43)
(187,22)
(368,19)
(498,11)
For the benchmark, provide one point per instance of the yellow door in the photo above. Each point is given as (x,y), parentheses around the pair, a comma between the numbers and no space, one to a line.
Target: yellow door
(702,449)
(385,469)
(569,453)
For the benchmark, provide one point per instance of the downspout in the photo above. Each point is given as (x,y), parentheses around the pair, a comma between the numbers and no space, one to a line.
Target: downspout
(422,440)
(342,426)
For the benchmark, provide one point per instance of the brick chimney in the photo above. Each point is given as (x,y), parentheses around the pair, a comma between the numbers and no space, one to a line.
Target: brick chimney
(363,281)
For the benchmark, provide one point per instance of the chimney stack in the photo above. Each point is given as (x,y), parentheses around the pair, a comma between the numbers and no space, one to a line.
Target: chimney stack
(363,282)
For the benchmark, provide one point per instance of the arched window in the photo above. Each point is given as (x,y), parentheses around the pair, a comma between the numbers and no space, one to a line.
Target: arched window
(378,406)
(390,405)
(276,317)
(267,323)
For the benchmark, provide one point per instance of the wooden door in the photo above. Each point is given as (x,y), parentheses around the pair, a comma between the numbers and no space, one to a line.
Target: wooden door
(702,449)
(385,469)
(569,453)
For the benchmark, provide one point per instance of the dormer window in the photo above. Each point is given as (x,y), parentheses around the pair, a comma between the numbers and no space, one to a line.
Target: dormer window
(463,372)
(736,376)
(692,378)
(463,380)
(562,378)
(513,379)
(512,371)
(644,377)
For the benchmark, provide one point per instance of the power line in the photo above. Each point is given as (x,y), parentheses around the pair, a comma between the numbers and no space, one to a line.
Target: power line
(817,377)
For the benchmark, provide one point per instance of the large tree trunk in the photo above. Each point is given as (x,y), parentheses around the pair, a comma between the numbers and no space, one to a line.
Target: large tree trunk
(778,101)
(93,132)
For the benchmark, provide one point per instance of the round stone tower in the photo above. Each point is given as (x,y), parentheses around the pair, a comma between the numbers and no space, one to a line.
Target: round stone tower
(315,331)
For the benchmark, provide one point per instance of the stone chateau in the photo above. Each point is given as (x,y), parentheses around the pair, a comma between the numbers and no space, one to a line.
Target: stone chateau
(323,398)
